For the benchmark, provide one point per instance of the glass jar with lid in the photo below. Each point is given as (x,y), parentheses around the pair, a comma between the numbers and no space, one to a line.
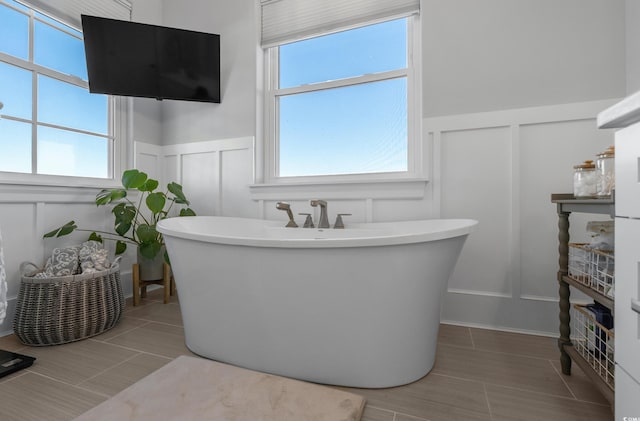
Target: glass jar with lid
(585,180)
(605,170)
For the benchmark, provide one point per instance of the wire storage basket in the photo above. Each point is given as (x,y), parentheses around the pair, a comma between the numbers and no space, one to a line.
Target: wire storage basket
(594,340)
(57,310)
(593,268)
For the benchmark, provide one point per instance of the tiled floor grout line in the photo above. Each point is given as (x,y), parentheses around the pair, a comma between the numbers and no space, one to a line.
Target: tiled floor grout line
(102,395)
(515,388)
(454,377)
(95,338)
(16,375)
(486,397)
(548,394)
(563,380)
(497,352)
(413,417)
(146,352)
(149,321)
(110,368)
(473,344)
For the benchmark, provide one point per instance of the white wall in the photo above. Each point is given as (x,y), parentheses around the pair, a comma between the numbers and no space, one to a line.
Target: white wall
(511,91)
(236,23)
(502,54)
(632,26)
(146,121)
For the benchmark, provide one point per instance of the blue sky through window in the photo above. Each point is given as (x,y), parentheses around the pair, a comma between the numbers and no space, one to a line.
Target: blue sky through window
(356,129)
(370,49)
(59,51)
(59,151)
(359,128)
(14,33)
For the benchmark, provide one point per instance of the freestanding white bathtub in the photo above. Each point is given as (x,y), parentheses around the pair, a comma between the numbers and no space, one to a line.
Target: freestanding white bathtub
(355,307)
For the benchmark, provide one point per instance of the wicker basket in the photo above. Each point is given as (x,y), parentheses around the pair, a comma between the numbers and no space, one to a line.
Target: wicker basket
(57,310)
(593,268)
(594,342)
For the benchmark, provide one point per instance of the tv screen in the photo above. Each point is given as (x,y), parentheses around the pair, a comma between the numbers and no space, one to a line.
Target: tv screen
(136,59)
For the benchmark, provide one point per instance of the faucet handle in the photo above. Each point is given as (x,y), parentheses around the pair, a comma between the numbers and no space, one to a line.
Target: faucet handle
(308,222)
(339,224)
(287,208)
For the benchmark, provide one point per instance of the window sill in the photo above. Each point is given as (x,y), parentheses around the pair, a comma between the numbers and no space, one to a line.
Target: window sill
(16,187)
(412,188)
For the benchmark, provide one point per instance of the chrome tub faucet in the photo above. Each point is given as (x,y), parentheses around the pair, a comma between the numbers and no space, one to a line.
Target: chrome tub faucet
(324,220)
(286,207)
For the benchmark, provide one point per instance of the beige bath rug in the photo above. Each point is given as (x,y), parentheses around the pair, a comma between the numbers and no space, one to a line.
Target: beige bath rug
(191,388)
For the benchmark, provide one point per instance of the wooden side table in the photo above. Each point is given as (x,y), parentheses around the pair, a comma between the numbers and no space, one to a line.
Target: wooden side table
(140,287)
(567,204)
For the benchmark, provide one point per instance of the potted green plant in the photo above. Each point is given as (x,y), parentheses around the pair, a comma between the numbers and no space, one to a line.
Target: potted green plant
(135,223)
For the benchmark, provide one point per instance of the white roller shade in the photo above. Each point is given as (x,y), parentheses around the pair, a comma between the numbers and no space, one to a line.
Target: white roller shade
(286,21)
(69,11)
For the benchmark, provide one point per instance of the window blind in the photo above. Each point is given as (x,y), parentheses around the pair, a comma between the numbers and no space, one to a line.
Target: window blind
(285,21)
(69,11)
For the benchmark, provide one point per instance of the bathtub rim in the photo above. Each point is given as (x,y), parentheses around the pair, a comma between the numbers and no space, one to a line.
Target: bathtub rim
(410,234)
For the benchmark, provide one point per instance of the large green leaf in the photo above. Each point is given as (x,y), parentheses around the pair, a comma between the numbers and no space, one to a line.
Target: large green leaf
(133,179)
(156,201)
(150,250)
(187,212)
(124,213)
(63,230)
(107,196)
(121,247)
(94,236)
(176,189)
(147,233)
(149,185)
(122,228)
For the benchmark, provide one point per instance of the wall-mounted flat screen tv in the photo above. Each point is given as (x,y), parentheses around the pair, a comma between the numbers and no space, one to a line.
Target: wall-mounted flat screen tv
(141,60)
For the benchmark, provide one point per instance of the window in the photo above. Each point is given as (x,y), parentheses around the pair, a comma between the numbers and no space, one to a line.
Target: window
(344,105)
(50,124)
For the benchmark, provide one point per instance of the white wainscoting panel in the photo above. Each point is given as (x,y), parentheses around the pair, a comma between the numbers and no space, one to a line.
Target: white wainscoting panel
(201,181)
(475,173)
(548,153)
(20,239)
(236,170)
(404,209)
(501,169)
(148,159)
(215,175)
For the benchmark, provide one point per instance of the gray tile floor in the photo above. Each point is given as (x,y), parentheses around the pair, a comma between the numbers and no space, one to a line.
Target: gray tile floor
(479,375)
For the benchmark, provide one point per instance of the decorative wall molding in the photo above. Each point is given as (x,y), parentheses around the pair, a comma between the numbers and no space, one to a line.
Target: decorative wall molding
(522,289)
(18,193)
(348,190)
(518,116)
(215,175)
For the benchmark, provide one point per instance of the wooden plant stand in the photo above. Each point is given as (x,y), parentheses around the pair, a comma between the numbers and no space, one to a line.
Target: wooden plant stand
(140,287)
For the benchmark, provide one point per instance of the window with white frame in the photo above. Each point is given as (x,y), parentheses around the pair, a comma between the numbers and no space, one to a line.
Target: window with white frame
(50,124)
(341,97)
